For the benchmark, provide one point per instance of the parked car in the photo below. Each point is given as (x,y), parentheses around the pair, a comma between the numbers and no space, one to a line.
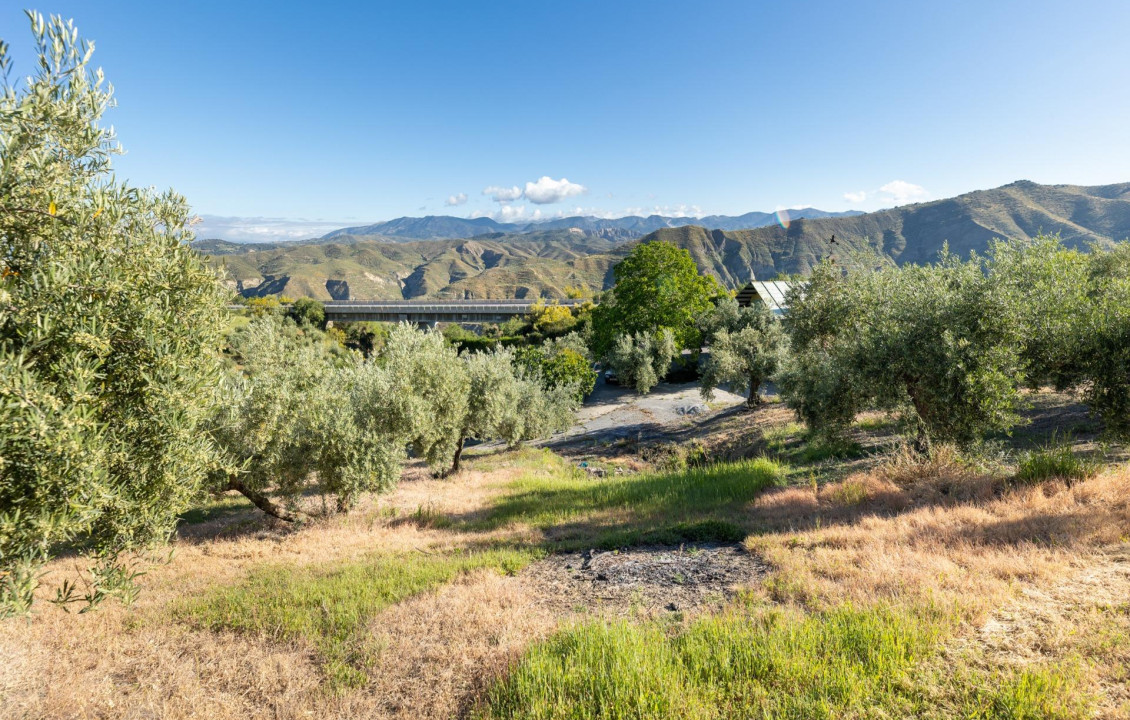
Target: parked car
(611,378)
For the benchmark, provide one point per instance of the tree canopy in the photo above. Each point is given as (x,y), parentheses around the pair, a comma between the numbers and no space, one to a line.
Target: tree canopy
(951,344)
(657,286)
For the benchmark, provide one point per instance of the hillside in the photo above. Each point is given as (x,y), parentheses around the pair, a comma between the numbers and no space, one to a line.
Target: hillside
(490,266)
(914,233)
(543,261)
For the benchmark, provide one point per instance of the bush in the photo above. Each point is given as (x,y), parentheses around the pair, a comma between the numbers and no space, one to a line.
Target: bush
(366,337)
(560,362)
(307,311)
(552,319)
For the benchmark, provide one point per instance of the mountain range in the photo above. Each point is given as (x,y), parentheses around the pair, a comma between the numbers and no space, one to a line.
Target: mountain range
(445,227)
(481,258)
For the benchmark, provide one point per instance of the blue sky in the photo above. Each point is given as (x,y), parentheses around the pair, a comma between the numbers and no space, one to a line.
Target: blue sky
(281,119)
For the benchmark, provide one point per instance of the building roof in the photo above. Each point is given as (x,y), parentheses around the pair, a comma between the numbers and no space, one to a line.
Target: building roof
(771,293)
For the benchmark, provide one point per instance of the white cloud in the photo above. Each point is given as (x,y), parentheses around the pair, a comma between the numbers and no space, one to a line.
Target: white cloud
(503,194)
(453,200)
(901,192)
(262,229)
(680,211)
(508,213)
(547,190)
(855,197)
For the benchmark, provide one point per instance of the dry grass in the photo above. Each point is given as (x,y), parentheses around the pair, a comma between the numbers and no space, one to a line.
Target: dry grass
(138,662)
(941,533)
(1083,620)
(1017,565)
(440,648)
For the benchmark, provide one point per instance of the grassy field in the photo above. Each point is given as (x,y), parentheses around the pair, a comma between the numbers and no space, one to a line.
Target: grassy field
(958,587)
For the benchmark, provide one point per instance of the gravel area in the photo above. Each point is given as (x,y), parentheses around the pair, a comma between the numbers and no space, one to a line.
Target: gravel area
(652,579)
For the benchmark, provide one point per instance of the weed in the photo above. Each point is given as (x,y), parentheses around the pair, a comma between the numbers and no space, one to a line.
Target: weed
(1053,461)
(430,516)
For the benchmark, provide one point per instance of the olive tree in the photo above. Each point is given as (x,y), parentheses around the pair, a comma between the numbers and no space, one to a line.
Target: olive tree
(939,342)
(110,328)
(642,359)
(435,390)
(508,402)
(745,348)
(275,423)
(302,414)
(1074,309)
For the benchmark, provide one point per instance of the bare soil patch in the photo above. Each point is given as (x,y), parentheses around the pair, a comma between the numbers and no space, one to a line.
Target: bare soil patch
(647,579)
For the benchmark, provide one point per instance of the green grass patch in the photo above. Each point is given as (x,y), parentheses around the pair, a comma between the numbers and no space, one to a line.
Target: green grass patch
(761,663)
(218,507)
(702,503)
(1035,692)
(819,450)
(530,459)
(1053,462)
(758,662)
(779,438)
(792,443)
(331,607)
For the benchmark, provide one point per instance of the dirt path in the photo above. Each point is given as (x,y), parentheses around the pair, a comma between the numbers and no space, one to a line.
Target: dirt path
(614,414)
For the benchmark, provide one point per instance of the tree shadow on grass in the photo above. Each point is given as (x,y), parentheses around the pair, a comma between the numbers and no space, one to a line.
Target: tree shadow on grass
(574,510)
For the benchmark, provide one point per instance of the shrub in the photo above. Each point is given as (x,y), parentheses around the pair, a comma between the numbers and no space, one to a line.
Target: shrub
(307,311)
(560,362)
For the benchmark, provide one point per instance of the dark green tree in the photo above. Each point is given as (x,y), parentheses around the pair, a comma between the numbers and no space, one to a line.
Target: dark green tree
(307,311)
(657,286)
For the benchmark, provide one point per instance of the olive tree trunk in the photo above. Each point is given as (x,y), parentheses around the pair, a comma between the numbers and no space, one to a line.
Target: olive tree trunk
(754,398)
(265,503)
